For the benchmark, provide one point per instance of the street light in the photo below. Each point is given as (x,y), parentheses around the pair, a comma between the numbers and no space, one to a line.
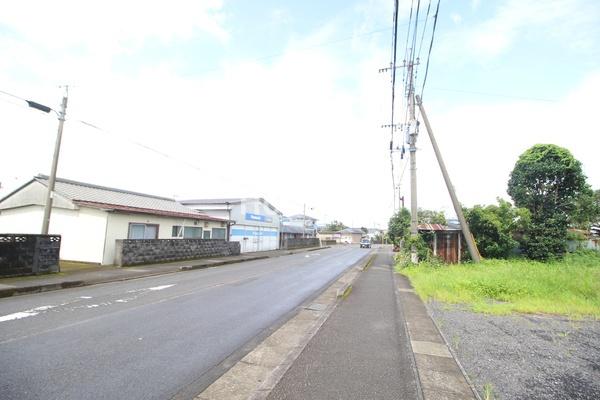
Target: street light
(52,179)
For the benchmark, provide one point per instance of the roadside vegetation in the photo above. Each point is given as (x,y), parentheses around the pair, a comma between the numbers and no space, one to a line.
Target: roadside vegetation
(526,266)
(569,287)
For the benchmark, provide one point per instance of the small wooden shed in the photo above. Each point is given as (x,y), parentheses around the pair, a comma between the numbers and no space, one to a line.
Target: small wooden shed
(444,242)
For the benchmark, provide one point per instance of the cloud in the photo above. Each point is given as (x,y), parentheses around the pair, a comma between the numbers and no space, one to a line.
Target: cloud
(481,142)
(572,23)
(110,26)
(292,130)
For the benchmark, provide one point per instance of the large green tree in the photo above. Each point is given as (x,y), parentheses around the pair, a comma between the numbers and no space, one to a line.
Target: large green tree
(547,180)
(495,227)
(587,209)
(399,226)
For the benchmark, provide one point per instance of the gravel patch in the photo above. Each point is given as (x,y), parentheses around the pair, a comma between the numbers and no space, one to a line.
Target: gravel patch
(524,356)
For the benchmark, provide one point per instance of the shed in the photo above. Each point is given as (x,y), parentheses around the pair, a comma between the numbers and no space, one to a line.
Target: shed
(445,242)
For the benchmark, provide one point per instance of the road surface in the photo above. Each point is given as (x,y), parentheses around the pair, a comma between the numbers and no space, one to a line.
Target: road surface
(160,337)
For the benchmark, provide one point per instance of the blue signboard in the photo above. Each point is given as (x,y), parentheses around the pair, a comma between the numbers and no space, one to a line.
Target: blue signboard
(252,232)
(258,218)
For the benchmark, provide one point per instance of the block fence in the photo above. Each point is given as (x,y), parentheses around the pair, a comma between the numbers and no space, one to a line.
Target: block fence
(148,251)
(299,243)
(25,254)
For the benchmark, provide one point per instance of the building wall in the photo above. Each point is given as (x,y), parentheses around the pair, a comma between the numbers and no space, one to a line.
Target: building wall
(82,230)
(118,228)
(351,237)
(256,224)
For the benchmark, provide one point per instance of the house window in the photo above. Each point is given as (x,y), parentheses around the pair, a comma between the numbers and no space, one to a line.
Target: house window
(186,232)
(206,235)
(142,231)
(218,233)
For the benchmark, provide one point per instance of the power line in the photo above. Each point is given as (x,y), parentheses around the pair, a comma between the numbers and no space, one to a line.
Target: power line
(437,10)
(424,29)
(13,95)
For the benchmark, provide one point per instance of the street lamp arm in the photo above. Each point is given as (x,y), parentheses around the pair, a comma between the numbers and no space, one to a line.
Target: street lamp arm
(41,107)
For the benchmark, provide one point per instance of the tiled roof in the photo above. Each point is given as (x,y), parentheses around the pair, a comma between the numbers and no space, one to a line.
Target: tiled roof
(122,200)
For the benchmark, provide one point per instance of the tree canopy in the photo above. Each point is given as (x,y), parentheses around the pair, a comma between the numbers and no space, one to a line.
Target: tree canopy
(335,226)
(547,180)
(431,217)
(496,226)
(399,225)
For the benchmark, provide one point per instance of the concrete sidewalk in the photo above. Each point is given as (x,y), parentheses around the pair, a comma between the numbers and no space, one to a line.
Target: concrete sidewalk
(362,351)
(379,343)
(104,274)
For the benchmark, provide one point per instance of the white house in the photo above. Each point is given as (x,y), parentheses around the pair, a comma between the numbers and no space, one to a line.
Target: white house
(257,222)
(90,218)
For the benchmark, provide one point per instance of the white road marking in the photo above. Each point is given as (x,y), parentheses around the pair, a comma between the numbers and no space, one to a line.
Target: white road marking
(160,287)
(18,315)
(24,314)
(85,297)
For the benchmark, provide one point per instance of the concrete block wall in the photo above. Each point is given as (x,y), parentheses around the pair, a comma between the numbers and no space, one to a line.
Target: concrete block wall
(299,243)
(26,254)
(148,251)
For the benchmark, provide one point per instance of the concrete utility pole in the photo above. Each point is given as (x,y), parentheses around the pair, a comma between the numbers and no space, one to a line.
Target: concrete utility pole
(412,141)
(52,178)
(304,220)
(473,251)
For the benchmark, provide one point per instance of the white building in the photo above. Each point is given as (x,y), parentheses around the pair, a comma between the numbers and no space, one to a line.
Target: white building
(90,218)
(256,222)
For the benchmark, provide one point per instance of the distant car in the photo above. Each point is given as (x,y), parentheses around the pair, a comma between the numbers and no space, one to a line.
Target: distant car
(366,243)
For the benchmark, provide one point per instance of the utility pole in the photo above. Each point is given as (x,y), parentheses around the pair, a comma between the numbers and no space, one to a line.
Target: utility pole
(304,220)
(412,142)
(52,178)
(475,256)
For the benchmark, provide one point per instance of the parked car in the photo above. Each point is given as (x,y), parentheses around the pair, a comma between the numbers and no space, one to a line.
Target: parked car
(366,243)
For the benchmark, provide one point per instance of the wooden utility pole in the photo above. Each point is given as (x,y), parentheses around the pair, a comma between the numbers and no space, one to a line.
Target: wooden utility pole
(471,245)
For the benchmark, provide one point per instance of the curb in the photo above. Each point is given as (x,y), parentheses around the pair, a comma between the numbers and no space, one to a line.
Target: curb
(256,374)
(438,377)
(17,291)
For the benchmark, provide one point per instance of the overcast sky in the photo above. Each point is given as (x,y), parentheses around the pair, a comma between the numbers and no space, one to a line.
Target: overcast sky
(283,99)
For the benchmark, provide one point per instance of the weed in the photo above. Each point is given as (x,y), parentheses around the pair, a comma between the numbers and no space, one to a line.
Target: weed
(488,392)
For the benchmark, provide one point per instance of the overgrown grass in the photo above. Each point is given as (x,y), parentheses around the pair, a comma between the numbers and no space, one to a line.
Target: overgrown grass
(568,287)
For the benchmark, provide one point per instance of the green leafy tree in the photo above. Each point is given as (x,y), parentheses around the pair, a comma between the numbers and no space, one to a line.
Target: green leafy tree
(587,209)
(495,227)
(399,226)
(547,180)
(365,230)
(335,226)
(431,217)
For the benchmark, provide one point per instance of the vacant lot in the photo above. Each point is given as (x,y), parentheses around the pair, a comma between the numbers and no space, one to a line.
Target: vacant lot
(521,329)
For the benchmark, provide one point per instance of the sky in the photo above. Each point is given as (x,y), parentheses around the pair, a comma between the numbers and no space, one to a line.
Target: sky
(284,99)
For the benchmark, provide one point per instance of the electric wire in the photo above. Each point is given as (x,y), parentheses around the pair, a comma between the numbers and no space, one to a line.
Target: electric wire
(424,29)
(437,10)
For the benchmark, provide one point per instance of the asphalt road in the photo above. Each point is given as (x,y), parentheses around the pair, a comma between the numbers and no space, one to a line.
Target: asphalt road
(153,338)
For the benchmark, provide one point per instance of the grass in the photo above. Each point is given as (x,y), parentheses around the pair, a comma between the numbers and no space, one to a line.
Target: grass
(569,287)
